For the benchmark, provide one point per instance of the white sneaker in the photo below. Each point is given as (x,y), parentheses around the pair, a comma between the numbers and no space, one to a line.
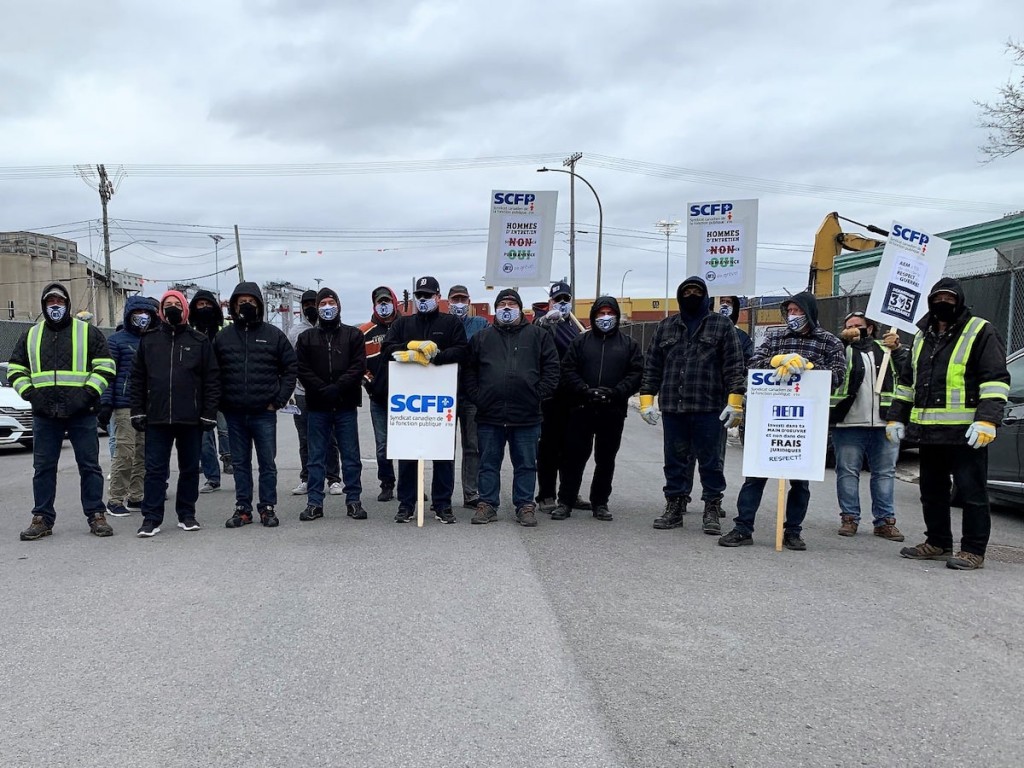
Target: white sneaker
(300,490)
(209,487)
(336,489)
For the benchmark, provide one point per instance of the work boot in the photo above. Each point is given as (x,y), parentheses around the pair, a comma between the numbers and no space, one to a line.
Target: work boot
(712,513)
(672,517)
(241,516)
(966,561)
(484,514)
(735,538)
(888,530)
(601,512)
(98,525)
(561,512)
(848,526)
(581,503)
(547,505)
(526,515)
(794,542)
(268,516)
(926,551)
(37,529)
(311,512)
(387,493)
(355,511)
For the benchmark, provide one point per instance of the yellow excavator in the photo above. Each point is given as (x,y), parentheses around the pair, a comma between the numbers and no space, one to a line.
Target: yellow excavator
(829,242)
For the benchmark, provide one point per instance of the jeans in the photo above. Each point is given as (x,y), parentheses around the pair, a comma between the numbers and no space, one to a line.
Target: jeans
(47,441)
(852,444)
(325,429)
(750,499)
(591,428)
(470,450)
(210,457)
(551,448)
(442,485)
(129,467)
(692,437)
(522,449)
(245,431)
(969,468)
(160,438)
(302,429)
(385,467)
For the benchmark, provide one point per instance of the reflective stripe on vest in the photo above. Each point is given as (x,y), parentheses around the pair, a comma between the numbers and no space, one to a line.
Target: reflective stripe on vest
(885,396)
(79,375)
(956,411)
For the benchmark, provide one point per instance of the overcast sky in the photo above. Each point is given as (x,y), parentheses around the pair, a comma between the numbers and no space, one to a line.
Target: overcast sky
(870,96)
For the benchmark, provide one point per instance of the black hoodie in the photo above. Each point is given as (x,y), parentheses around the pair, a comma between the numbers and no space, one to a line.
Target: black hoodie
(257,362)
(603,359)
(332,361)
(926,369)
(210,323)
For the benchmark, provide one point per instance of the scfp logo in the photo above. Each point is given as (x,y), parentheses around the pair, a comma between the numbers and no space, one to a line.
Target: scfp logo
(514,198)
(710,209)
(421,403)
(910,235)
(759,378)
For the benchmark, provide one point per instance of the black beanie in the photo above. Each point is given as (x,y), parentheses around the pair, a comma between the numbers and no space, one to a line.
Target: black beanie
(509,293)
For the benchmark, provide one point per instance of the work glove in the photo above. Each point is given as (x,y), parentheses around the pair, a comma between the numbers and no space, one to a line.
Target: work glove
(785,365)
(733,413)
(552,317)
(411,356)
(980,434)
(849,334)
(207,425)
(648,412)
(330,392)
(428,348)
(891,340)
(139,423)
(599,395)
(895,431)
(103,415)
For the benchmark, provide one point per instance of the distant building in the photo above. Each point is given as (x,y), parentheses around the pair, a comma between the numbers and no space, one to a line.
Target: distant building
(29,260)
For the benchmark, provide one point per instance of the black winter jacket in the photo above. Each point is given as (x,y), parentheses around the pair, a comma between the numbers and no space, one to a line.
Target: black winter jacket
(331,366)
(598,359)
(175,379)
(444,330)
(511,370)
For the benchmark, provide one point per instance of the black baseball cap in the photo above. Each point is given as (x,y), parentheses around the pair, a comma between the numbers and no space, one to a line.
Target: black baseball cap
(458,290)
(560,289)
(427,285)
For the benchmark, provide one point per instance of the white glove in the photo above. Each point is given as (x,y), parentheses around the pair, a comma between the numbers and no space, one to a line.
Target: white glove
(895,431)
(731,416)
(980,434)
(551,318)
(648,412)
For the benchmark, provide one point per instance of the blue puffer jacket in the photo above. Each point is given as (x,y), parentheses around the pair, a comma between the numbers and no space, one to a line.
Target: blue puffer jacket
(123,346)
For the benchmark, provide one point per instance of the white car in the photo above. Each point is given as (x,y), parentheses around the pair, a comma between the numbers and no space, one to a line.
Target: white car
(15,414)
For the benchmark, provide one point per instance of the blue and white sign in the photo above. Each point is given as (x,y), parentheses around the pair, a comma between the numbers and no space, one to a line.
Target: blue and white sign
(721,245)
(521,238)
(421,410)
(787,425)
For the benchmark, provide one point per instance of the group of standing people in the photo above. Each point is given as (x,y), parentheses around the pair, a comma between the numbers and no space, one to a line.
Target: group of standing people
(551,393)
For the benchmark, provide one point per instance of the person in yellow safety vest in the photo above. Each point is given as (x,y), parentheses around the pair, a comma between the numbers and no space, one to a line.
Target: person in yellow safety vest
(949,399)
(61,366)
(858,418)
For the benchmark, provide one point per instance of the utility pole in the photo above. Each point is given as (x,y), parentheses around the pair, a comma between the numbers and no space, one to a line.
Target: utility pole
(238,251)
(668,227)
(570,163)
(106,189)
(216,262)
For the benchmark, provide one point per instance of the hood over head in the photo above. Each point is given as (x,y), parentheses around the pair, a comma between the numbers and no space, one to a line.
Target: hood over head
(605,301)
(145,303)
(184,305)
(246,289)
(806,301)
(705,305)
(59,290)
(950,285)
(735,316)
(308,296)
(208,295)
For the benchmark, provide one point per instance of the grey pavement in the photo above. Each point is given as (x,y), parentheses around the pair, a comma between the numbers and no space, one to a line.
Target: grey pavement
(580,643)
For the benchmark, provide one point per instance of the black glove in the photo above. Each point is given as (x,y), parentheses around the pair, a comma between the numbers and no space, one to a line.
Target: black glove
(139,423)
(599,395)
(330,393)
(207,425)
(103,415)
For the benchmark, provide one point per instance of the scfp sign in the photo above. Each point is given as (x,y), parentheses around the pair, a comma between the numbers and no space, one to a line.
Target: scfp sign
(421,403)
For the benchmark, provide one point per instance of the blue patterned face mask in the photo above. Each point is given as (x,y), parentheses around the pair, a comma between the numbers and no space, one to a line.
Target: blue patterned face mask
(56,312)
(797,322)
(725,310)
(328,313)
(563,307)
(426,305)
(141,320)
(459,309)
(507,315)
(384,309)
(605,322)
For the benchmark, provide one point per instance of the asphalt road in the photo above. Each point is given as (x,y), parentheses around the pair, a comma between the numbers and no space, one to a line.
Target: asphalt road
(580,643)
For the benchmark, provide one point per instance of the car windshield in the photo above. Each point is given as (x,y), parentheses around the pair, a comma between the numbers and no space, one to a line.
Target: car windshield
(1016,370)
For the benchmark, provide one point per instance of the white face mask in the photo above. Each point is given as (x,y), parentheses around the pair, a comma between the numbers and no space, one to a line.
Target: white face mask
(426,305)
(56,312)
(384,309)
(726,310)
(563,307)
(140,320)
(507,315)
(605,322)
(797,322)
(458,309)
(328,312)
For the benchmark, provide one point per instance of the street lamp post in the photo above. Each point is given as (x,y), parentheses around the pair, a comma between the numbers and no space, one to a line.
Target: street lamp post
(622,288)
(600,219)
(216,262)
(668,227)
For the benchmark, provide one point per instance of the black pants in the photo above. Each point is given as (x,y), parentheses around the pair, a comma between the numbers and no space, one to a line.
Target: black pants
(590,428)
(969,468)
(551,449)
(188,439)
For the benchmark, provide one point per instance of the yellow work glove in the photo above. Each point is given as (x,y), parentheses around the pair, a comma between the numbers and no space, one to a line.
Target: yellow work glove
(980,434)
(784,365)
(412,356)
(648,412)
(733,413)
(428,348)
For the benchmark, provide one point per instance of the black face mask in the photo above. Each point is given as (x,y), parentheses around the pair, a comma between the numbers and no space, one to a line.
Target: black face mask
(943,312)
(206,317)
(692,304)
(310,315)
(173,315)
(248,312)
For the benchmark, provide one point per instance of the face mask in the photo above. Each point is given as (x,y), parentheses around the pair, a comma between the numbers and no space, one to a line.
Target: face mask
(206,316)
(141,320)
(942,311)
(797,322)
(173,315)
(725,310)
(328,313)
(458,309)
(248,312)
(426,305)
(563,307)
(507,315)
(692,304)
(384,309)
(605,322)
(56,312)
(310,314)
